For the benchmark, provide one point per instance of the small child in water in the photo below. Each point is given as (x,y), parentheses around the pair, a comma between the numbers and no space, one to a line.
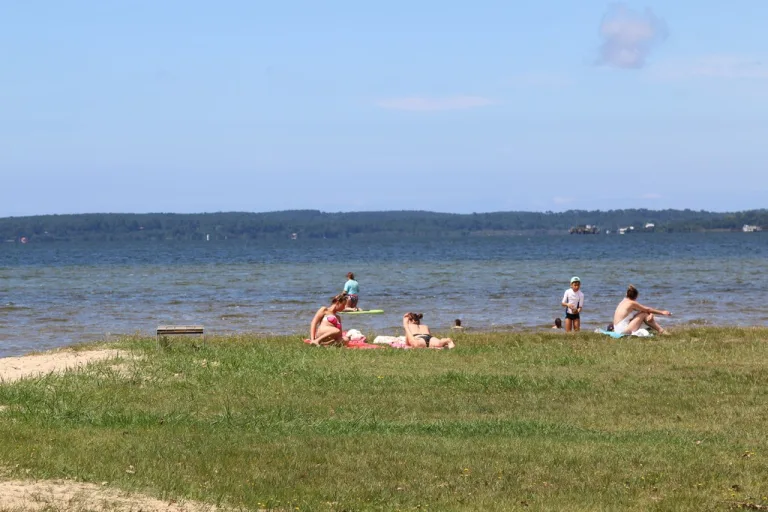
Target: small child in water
(457,324)
(558,324)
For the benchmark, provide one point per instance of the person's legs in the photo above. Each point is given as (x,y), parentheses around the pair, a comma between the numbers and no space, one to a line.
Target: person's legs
(568,324)
(577,324)
(327,336)
(441,343)
(635,323)
(651,322)
(351,303)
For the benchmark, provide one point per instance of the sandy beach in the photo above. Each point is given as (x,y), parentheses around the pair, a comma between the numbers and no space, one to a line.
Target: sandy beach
(39,495)
(15,368)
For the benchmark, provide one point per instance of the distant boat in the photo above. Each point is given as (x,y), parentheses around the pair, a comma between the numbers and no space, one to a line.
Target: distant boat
(23,240)
(294,236)
(584,230)
(749,228)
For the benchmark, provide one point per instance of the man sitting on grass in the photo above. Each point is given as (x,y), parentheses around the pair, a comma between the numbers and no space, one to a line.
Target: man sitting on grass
(624,322)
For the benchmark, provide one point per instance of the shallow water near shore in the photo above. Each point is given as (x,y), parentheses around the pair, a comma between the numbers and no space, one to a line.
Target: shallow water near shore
(57,294)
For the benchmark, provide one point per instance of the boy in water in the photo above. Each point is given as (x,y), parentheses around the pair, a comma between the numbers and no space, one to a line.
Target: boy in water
(573,301)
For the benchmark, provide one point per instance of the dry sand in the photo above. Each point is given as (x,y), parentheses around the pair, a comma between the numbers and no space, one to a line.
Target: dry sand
(15,368)
(64,495)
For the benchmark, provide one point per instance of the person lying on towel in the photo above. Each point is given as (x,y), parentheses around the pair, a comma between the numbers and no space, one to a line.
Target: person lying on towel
(417,334)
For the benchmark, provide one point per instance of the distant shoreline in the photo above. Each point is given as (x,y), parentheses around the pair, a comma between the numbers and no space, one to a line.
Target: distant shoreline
(313,224)
(362,237)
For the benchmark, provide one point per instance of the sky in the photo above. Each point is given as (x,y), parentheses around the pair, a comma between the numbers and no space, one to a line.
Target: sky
(239,105)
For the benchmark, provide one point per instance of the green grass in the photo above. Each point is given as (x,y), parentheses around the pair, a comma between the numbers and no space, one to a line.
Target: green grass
(530,421)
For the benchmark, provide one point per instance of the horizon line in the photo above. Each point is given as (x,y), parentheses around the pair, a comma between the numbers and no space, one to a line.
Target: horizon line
(222,212)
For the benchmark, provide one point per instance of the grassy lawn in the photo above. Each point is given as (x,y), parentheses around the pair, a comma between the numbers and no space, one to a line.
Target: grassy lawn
(506,421)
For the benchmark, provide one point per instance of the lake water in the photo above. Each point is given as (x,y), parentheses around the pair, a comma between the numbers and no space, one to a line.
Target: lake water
(57,294)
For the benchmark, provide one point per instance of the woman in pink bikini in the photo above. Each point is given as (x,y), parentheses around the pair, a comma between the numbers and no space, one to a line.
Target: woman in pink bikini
(325,328)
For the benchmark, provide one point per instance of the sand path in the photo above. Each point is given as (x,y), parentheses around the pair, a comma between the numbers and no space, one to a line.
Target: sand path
(15,368)
(65,495)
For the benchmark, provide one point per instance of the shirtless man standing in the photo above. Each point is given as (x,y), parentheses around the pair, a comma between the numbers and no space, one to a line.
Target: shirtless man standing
(625,322)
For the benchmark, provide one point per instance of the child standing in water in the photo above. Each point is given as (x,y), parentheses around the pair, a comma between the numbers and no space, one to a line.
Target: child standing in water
(352,289)
(573,301)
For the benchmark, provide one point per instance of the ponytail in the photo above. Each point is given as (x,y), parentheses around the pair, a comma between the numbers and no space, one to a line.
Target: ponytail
(342,297)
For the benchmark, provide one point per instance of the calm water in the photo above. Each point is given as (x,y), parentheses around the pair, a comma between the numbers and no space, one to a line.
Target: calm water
(54,295)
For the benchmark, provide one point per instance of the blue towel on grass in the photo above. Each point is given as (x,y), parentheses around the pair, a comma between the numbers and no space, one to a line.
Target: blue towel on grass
(613,334)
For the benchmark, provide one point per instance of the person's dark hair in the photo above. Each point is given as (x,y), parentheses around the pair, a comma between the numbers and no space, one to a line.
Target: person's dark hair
(350,275)
(558,323)
(458,322)
(342,297)
(609,327)
(415,317)
(632,292)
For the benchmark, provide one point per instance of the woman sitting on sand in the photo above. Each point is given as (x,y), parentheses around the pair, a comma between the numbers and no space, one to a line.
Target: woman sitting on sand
(325,328)
(417,334)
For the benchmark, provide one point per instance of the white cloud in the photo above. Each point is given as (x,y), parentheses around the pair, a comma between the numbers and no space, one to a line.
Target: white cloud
(628,36)
(421,103)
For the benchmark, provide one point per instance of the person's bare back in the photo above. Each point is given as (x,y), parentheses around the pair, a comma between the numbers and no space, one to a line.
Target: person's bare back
(625,322)
(624,309)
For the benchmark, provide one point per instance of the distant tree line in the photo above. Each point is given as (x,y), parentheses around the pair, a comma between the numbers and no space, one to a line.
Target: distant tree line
(317,224)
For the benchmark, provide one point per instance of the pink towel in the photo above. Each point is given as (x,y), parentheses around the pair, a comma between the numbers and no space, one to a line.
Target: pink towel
(357,344)
(362,345)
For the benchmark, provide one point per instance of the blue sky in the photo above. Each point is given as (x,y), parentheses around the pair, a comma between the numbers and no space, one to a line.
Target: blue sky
(193,106)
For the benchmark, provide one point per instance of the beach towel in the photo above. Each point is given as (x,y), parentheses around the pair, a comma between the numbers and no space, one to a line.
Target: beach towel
(392,341)
(612,334)
(354,344)
(643,333)
(354,335)
(388,340)
(361,345)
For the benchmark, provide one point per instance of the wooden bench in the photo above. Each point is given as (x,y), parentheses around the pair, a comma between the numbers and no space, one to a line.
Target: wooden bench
(165,330)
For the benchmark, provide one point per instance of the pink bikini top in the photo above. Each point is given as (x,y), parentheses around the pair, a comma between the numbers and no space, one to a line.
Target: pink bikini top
(334,321)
